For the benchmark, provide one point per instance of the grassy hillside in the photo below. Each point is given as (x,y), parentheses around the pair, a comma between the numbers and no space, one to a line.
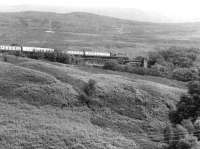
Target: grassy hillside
(40,107)
(84,30)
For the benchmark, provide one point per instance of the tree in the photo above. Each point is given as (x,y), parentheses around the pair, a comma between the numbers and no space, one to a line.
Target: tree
(188,111)
(184,74)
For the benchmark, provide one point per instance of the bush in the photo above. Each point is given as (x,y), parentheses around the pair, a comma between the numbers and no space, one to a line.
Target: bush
(188,106)
(88,92)
(50,56)
(155,57)
(187,143)
(111,65)
(188,111)
(184,74)
(187,123)
(183,145)
(174,117)
(181,132)
(179,57)
(138,70)
(5,58)
(194,87)
(90,87)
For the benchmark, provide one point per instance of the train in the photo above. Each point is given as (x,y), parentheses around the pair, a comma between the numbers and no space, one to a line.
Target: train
(24,48)
(87,53)
(83,53)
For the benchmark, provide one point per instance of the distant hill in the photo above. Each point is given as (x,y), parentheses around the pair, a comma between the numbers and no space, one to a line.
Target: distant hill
(85,30)
(125,13)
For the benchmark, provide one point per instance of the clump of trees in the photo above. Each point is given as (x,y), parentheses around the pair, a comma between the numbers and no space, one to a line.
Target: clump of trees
(173,63)
(176,63)
(50,56)
(184,132)
(174,57)
(114,65)
(185,74)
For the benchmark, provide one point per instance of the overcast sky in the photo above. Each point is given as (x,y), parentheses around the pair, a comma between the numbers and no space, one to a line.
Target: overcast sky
(184,9)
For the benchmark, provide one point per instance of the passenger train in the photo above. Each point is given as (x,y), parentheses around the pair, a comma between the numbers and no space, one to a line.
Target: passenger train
(25,49)
(81,53)
(85,54)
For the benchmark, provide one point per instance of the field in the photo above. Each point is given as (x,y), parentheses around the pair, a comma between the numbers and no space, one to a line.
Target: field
(84,30)
(45,104)
(40,107)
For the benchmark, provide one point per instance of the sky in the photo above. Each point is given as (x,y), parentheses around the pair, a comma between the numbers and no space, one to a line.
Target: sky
(182,9)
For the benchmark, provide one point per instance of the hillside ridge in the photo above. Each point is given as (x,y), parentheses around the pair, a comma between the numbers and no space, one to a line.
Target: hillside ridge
(85,30)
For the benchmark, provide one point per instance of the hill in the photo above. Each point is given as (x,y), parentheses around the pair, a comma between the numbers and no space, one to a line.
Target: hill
(124,13)
(40,107)
(85,30)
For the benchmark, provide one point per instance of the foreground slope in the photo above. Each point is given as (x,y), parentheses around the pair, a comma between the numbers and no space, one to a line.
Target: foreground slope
(40,108)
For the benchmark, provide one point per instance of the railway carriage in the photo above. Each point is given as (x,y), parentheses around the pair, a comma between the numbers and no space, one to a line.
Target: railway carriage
(89,53)
(79,53)
(97,54)
(25,49)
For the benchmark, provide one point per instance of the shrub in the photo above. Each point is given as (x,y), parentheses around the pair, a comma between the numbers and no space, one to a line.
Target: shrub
(5,58)
(155,57)
(63,58)
(183,61)
(153,72)
(138,70)
(187,123)
(183,145)
(188,106)
(146,71)
(88,92)
(179,57)
(174,117)
(90,87)
(174,57)
(188,111)
(181,132)
(50,56)
(194,87)
(187,143)
(184,74)
(111,65)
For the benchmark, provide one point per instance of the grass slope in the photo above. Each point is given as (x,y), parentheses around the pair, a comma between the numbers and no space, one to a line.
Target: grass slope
(40,108)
